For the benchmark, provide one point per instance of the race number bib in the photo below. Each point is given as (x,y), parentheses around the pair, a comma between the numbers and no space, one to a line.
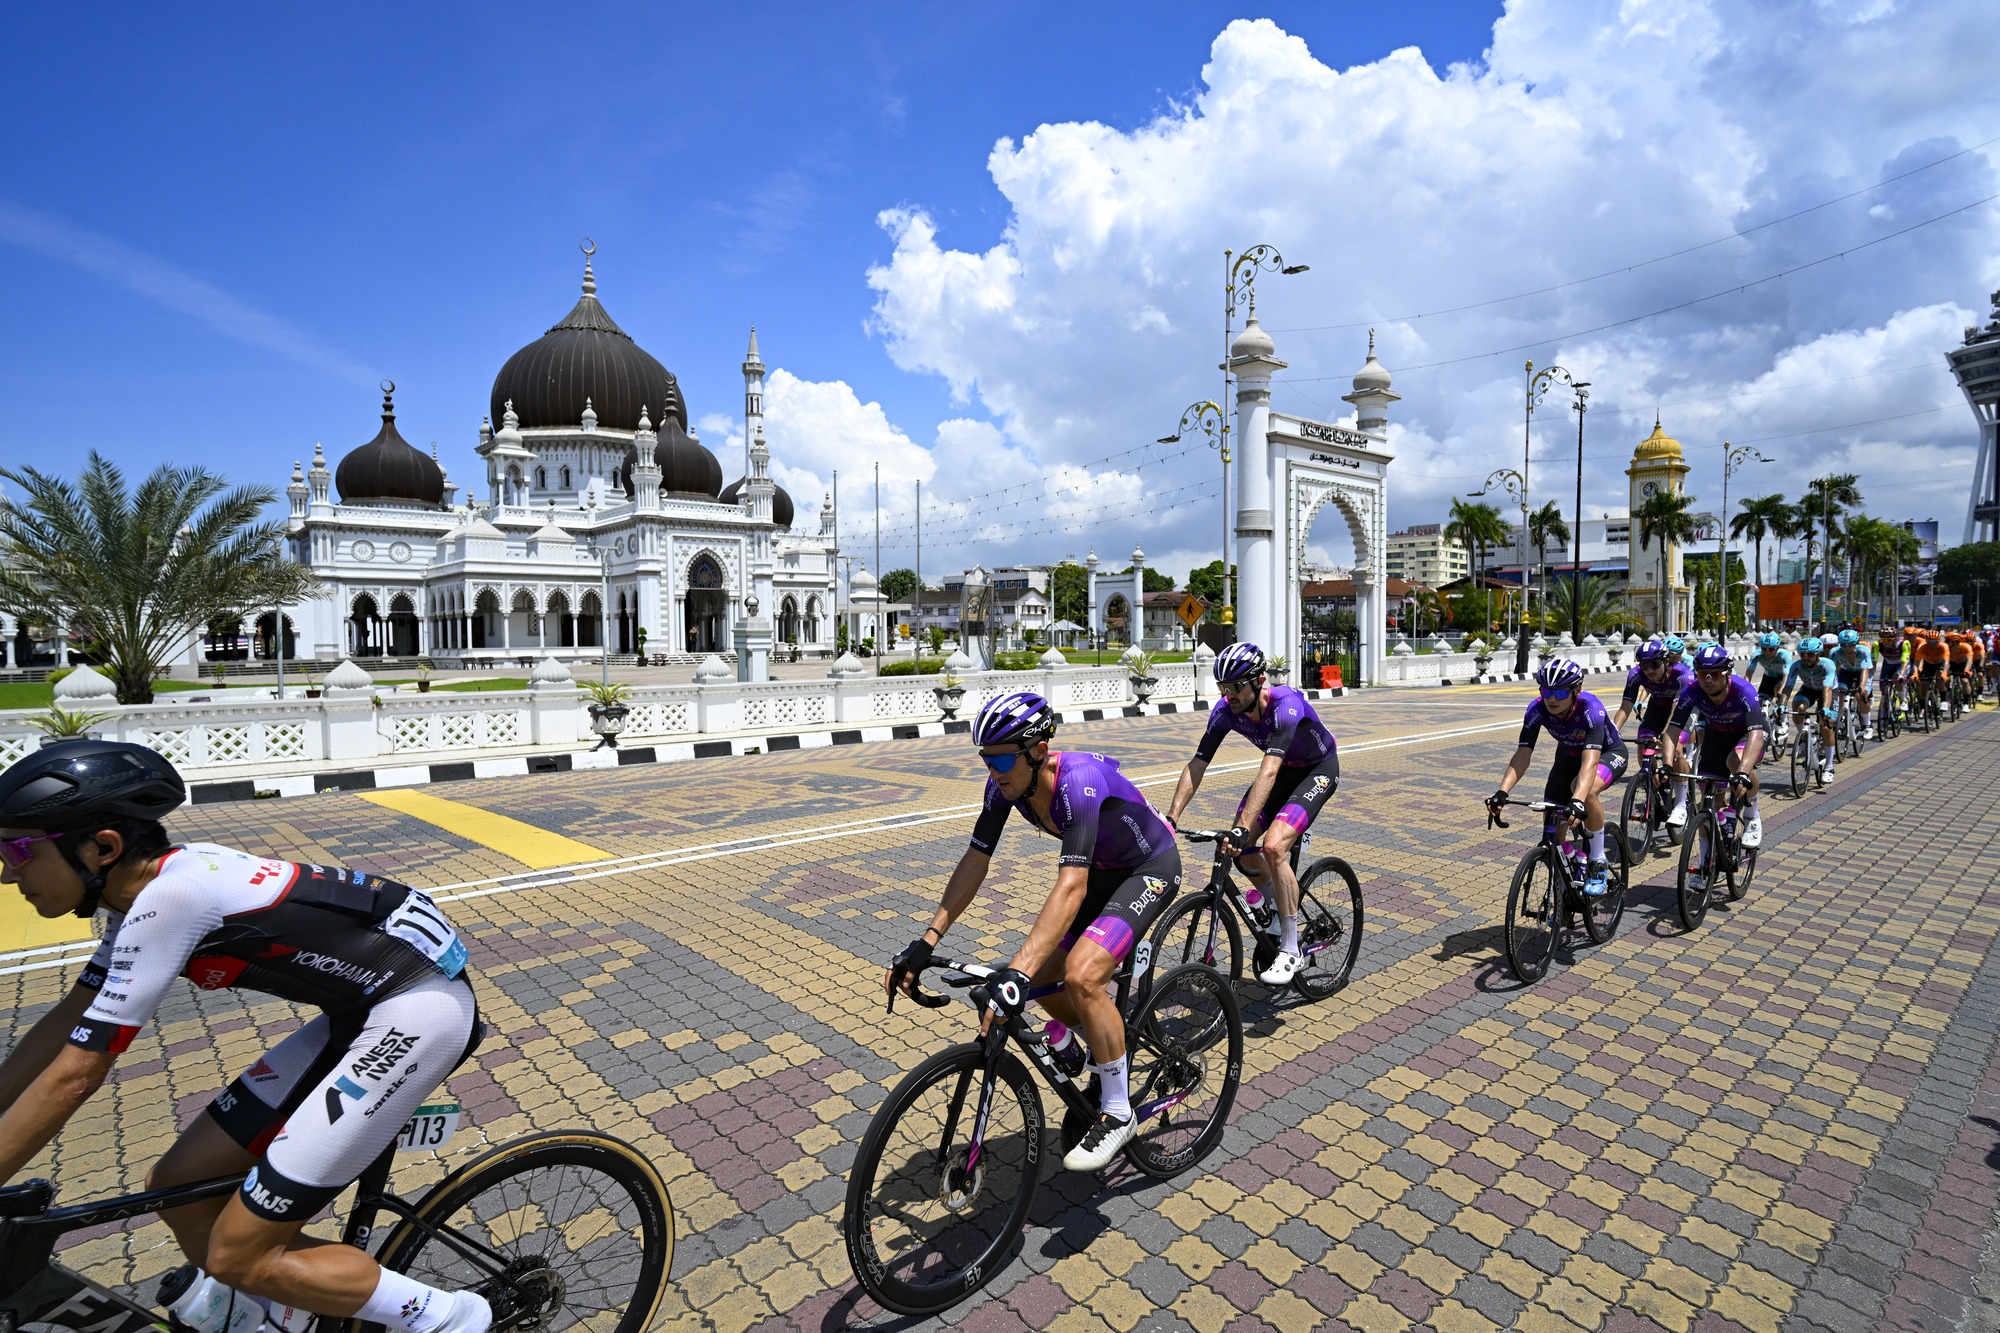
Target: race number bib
(430,1128)
(419,924)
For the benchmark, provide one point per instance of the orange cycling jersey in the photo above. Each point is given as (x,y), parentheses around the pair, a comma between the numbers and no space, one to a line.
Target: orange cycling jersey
(1961,652)
(1930,650)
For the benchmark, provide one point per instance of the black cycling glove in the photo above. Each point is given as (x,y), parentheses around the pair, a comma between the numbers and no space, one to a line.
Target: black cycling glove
(1238,840)
(1007,993)
(911,962)
(1577,811)
(1497,799)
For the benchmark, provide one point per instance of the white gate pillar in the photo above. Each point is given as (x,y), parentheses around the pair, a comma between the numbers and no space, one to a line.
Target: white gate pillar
(1253,360)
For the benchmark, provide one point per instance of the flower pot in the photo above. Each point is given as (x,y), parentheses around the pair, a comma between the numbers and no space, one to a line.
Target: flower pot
(607,720)
(1143,686)
(312,691)
(47,741)
(1481,662)
(949,699)
(423,687)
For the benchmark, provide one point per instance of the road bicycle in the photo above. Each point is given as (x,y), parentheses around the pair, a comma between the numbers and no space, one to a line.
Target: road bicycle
(1808,751)
(1891,710)
(1546,896)
(559,1230)
(1207,926)
(947,1172)
(1847,722)
(1714,850)
(1648,801)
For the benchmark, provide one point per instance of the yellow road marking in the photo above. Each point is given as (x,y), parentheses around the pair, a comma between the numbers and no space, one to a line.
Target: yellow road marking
(22,927)
(534,847)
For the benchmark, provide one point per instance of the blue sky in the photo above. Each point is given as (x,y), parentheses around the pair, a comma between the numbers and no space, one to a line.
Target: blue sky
(221,225)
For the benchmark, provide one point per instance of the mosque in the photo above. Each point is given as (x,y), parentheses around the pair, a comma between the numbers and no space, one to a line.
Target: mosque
(604,519)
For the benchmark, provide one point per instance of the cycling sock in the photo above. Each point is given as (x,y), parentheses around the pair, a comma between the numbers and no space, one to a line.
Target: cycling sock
(1597,843)
(1288,933)
(1113,1097)
(208,1306)
(1680,791)
(404,1303)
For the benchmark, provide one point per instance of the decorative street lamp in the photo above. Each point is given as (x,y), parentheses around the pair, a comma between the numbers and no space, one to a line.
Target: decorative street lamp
(1213,422)
(1539,384)
(604,593)
(1733,457)
(1516,485)
(1239,286)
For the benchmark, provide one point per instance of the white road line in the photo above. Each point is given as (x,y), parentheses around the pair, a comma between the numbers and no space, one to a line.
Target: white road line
(591,870)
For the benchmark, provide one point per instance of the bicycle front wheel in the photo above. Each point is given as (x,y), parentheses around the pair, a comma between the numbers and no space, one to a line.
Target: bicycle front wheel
(1638,815)
(1186,1062)
(576,1223)
(1329,927)
(1697,871)
(929,1220)
(1602,914)
(1198,929)
(1534,910)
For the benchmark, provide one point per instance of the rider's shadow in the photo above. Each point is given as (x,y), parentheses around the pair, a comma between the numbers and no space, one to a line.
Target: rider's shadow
(1488,944)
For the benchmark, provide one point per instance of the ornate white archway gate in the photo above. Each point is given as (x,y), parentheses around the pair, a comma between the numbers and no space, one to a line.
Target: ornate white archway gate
(1315,465)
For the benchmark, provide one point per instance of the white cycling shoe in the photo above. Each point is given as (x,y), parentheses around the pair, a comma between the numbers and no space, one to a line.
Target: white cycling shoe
(1753,833)
(1282,969)
(1678,816)
(1104,1141)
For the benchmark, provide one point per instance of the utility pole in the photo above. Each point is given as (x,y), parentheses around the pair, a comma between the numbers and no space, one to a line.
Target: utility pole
(881,629)
(917,615)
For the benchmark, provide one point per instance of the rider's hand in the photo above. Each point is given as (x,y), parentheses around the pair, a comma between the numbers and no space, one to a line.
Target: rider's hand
(1236,841)
(1577,811)
(1006,993)
(1497,799)
(909,965)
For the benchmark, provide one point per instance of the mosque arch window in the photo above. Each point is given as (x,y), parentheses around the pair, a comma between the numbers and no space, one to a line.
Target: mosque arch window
(565,477)
(541,478)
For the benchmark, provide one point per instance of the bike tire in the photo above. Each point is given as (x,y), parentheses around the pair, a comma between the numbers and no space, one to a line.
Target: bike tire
(1329,927)
(1637,812)
(957,1260)
(1738,880)
(1801,766)
(471,1198)
(1691,890)
(1189,1040)
(1534,914)
(1182,936)
(1602,914)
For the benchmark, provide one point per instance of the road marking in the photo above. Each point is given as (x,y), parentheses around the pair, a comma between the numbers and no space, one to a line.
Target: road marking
(25,931)
(536,848)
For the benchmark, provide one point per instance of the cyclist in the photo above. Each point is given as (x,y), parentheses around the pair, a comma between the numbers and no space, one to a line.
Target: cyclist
(1119,869)
(1959,646)
(1590,758)
(1300,772)
(1854,667)
(1892,661)
(1931,655)
(1811,685)
(1733,730)
(1662,677)
(79,829)
(1768,668)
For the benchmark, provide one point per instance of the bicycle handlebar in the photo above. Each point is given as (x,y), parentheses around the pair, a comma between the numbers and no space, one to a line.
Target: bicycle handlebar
(975,973)
(1493,812)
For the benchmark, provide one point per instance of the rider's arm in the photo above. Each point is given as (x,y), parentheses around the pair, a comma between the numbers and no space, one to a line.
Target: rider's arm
(1072,883)
(48,1103)
(1184,790)
(39,1045)
(959,892)
(1260,787)
(1517,767)
(1586,773)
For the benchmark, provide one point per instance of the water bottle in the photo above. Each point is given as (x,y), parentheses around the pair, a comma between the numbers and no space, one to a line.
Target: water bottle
(1261,914)
(1063,1045)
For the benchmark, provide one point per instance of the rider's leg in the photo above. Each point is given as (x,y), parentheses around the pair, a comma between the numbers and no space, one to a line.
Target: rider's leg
(202,1152)
(1277,843)
(1087,974)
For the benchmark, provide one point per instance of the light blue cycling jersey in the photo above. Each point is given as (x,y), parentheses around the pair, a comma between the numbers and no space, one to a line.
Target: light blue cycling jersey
(1810,677)
(1772,662)
(1857,658)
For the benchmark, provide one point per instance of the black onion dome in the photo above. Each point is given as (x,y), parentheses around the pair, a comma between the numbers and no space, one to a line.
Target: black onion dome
(686,465)
(782,511)
(389,467)
(586,359)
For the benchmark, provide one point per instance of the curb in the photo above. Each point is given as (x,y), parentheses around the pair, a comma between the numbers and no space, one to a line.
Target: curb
(1511,678)
(415,775)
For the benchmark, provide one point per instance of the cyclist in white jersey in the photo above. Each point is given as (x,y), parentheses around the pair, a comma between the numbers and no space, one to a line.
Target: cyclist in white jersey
(79,829)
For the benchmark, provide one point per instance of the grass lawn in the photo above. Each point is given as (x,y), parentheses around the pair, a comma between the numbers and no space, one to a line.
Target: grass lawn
(41,694)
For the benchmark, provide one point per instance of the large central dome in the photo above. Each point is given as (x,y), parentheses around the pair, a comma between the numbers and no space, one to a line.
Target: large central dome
(586,358)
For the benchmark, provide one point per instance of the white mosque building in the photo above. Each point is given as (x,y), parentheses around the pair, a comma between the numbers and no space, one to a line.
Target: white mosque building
(603,519)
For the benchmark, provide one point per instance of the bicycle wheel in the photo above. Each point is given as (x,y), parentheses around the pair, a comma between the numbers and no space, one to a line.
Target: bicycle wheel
(1186,1062)
(1602,914)
(1534,910)
(1637,817)
(1197,929)
(1697,871)
(1329,927)
(1823,760)
(926,1225)
(1854,735)
(581,1221)
(1745,870)
(1802,764)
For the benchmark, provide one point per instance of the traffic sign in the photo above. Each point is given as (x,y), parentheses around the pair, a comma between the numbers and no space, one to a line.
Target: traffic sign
(1190,610)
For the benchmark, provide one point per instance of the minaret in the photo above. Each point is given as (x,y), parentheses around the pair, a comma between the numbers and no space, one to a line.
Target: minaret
(319,480)
(1253,359)
(1976,366)
(753,398)
(1657,466)
(754,632)
(297,493)
(646,466)
(1371,396)
(509,449)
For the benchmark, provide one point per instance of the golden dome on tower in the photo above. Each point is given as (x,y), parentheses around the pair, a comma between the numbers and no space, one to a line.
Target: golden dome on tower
(1657,445)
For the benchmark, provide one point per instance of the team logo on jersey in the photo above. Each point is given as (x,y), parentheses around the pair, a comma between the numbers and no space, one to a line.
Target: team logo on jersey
(261,1072)
(279,951)
(275,1204)
(383,1057)
(343,1087)
(1319,784)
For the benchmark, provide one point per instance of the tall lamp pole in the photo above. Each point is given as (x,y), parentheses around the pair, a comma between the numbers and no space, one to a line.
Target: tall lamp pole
(1581,405)
(1733,457)
(1979,601)
(1516,485)
(1539,384)
(1239,285)
(1212,421)
(603,595)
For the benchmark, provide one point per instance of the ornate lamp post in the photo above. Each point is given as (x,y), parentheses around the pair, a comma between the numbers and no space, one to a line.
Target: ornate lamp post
(1213,422)
(1516,485)
(604,594)
(1733,457)
(1239,286)
(1539,384)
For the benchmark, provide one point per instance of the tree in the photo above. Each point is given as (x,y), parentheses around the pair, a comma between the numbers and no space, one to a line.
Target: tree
(900,585)
(1158,582)
(1069,592)
(1664,518)
(1546,525)
(135,574)
(1206,582)
(1472,610)
(1762,516)
(1959,566)
(1587,602)
(1479,527)
(1826,502)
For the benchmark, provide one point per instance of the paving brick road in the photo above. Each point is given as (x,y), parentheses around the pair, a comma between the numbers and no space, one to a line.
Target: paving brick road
(1789,1119)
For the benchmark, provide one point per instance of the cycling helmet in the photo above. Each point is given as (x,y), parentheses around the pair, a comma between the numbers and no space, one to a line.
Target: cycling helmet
(1848,638)
(1559,673)
(1652,650)
(1676,645)
(1020,717)
(1711,657)
(1809,644)
(1239,661)
(1768,641)
(80,786)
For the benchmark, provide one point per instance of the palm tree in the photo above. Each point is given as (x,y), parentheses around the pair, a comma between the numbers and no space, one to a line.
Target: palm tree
(1478,526)
(1587,603)
(1665,518)
(1763,516)
(1826,500)
(136,574)
(1546,525)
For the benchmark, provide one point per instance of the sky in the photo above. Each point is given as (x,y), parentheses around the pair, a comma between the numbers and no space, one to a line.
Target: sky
(982,245)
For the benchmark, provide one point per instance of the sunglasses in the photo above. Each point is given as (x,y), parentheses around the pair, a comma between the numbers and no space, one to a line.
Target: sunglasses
(17,852)
(1557,695)
(1002,763)
(1712,673)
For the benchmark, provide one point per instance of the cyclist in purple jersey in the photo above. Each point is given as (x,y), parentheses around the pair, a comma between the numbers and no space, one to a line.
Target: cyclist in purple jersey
(1300,772)
(1734,727)
(1118,869)
(1661,676)
(1590,757)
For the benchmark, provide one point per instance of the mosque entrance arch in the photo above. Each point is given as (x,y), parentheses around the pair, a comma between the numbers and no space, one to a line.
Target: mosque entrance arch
(707,605)
(1333,491)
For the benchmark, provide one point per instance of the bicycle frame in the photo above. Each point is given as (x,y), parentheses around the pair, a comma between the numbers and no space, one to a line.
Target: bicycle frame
(1556,833)
(1222,890)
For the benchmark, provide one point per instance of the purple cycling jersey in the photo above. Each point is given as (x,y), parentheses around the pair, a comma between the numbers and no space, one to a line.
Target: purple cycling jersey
(1289,728)
(1588,726)
(1669,686)
(1738,710)
(1103,820)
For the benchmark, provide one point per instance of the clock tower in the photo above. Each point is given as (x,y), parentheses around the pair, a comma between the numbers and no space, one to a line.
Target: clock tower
(1657,466)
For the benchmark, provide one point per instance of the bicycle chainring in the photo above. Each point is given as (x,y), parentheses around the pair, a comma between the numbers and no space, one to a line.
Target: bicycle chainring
(525,1296)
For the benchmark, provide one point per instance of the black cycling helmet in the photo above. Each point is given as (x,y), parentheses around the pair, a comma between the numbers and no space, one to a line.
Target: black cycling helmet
(80,786)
